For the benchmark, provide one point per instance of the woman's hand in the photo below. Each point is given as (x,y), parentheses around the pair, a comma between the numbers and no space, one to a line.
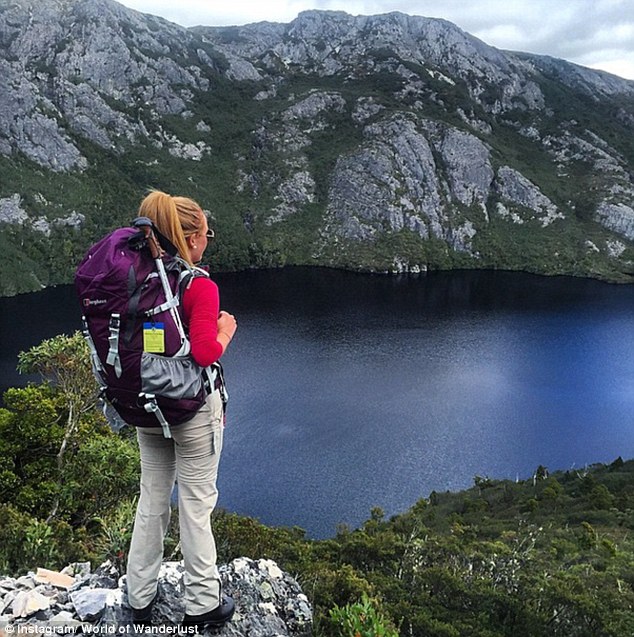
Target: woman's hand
(227,324)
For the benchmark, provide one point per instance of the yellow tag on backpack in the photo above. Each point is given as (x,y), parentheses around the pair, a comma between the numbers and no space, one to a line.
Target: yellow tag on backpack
(154,338)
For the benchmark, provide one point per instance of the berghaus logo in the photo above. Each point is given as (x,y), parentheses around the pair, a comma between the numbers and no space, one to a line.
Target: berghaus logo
(89,302)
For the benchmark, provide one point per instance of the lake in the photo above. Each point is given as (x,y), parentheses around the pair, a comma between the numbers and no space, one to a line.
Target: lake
(350,391)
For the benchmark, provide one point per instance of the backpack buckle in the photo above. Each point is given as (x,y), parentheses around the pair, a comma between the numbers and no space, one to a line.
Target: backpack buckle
(151,406)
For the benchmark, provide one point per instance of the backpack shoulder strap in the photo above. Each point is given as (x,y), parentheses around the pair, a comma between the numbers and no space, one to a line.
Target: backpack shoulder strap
(188,274)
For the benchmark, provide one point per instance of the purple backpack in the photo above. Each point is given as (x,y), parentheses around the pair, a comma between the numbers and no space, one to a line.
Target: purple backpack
(130,291)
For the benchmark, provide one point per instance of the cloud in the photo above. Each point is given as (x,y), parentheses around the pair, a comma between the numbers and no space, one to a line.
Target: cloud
(196,12)
(617,61)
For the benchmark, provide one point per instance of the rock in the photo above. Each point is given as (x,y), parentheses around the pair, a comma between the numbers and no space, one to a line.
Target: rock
(617,217)
(467,161)
(393,182)
(589,81)
(325,42)
(268,601)
(89,603)
(11,210)
(65,620)
(95,64)
(73,220)
(26,581)
(366,108)
(515,188)
(105,576)
(170,607)
(315,104)
(505,213)
(28,602)
(240,69)
(615,248)
(7,584)
(395,158)
(60,580)
(28,122)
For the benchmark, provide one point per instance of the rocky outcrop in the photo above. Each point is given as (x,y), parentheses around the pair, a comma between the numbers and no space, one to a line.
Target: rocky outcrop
(106,71)
(13,213)
(268,601)
(407,175)
(617,217)
(331,42)
(514,188)
(590,81)
(11,210)
(29,123)
(388,182)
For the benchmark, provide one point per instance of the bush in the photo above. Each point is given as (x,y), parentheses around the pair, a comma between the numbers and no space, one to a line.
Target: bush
(27,542)
(104,470)
(113,542)
(361,619)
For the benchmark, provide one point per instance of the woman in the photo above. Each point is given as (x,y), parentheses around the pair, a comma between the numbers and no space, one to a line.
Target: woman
(191,456)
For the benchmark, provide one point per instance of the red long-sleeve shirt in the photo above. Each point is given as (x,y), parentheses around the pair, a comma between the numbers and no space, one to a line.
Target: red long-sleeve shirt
(201,306)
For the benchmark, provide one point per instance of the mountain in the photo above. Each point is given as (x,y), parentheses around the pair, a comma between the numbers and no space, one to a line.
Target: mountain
(381,143)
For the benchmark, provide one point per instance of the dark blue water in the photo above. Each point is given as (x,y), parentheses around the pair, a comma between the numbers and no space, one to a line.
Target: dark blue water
(351,391)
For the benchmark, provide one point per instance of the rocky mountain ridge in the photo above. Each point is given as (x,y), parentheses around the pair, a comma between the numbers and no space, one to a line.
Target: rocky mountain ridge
(385,143)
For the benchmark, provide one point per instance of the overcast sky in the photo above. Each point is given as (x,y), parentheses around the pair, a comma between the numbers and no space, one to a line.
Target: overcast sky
(594,33)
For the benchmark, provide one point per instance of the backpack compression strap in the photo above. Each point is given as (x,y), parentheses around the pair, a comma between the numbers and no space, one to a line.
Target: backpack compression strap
(113,339)
(151,406)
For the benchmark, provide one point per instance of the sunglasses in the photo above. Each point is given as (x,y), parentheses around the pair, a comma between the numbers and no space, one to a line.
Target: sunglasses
(210,234)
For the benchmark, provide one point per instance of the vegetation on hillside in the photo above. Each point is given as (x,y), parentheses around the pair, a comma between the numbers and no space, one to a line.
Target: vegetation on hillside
(551,556)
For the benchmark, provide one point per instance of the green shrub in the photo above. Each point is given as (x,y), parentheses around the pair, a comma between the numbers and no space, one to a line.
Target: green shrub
(113,541)
(361,619)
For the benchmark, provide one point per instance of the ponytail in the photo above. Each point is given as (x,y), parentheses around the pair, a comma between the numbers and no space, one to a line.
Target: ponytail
(174,217)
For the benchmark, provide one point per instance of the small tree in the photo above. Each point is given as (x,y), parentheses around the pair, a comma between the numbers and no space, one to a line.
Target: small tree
(63,472)
(63,362)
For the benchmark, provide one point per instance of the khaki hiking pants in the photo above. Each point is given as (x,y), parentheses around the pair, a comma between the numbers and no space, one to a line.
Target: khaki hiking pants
(190,457)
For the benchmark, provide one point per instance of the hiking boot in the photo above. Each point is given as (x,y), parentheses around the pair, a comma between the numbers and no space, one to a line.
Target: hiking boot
(214,618)
(142,616)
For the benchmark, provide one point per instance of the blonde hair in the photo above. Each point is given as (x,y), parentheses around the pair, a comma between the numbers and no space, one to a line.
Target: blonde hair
(174,217)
